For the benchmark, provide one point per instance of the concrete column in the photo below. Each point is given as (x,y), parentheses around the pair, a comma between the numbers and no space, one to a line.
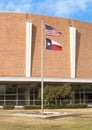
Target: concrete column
(80,96)
(33,95)
(73,97)
(27,96)
(28,47)
(4,95)
(17,96)
(84,95)
(72,51)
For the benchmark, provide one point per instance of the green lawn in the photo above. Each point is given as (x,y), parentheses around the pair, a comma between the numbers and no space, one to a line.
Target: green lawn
(82,120)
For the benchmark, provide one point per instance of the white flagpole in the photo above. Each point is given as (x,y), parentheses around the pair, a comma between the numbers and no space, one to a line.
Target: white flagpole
(42,60)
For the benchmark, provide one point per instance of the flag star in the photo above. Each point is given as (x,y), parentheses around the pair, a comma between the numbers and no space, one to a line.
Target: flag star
(48,44)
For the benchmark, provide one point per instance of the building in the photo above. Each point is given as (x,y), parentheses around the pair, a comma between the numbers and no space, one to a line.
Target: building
(24,58)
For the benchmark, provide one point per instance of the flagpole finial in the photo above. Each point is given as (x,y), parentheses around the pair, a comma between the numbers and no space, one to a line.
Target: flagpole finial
(42,20)
(41,17)
(71,22)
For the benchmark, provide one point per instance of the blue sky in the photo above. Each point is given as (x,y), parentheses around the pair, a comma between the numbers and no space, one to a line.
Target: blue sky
(75,9)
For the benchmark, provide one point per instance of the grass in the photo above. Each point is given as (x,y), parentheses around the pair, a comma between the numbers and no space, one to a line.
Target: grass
(82,120)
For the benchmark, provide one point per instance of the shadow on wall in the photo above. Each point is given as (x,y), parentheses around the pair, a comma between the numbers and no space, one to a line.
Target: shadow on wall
(34,28)
(78,36)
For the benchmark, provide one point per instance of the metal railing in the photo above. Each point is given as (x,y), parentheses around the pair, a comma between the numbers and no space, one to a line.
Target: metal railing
(38,102)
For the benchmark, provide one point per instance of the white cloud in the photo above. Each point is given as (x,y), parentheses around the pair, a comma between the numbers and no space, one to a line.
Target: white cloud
(63,8)
(18,6)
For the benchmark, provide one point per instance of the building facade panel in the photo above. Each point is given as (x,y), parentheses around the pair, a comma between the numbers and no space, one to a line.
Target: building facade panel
(59,67)
(84,49)
(56,63)
(12,44)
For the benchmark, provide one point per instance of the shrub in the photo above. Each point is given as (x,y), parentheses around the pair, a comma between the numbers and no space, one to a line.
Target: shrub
(75,106)
(8,107)
(52,106)
(32,107)
(82,105)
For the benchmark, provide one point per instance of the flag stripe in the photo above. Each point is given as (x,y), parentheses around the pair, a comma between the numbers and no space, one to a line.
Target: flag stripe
(50,31)
(56,43)
(55,47)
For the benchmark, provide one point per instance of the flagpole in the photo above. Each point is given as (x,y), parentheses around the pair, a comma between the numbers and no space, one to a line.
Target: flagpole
(42,58)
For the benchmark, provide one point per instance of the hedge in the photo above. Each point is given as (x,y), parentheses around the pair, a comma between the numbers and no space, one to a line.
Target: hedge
(32,107)
(54,106)
(75,106)
(8,107)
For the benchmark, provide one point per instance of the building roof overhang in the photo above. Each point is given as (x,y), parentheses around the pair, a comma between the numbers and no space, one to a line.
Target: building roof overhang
(45,79)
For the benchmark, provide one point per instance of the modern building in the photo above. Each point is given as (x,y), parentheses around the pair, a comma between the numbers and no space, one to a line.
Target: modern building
(26,58)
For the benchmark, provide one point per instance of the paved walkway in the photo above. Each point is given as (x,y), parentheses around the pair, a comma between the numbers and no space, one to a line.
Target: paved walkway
(44,115)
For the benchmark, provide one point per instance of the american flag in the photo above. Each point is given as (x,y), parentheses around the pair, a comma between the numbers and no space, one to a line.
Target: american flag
(51,31)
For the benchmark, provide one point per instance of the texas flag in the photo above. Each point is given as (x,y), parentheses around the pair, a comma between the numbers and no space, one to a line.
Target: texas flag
(51,31)
(52,45)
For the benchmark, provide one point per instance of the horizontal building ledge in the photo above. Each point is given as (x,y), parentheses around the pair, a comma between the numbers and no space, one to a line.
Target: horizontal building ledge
(45,79)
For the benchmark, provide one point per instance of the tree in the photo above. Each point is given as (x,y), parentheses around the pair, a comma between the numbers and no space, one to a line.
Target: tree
(56,92)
